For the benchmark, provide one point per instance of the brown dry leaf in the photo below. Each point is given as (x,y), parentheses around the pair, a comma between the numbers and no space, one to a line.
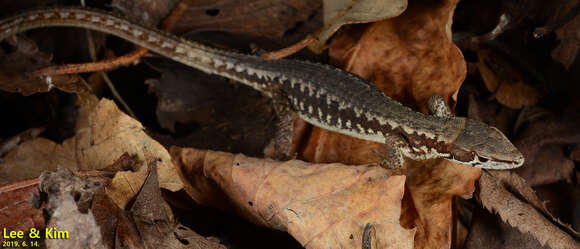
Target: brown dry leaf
(149,13)
(254,17)
(489,231)
(567,50)
(321,206)
(550,165)
(32,157)
(524,216)
(16,210)
(25,59)
(507,83)
(341,12)
(104,133)
(409,57)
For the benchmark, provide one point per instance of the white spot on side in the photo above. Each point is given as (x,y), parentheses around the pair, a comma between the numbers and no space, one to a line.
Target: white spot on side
(80,16)
(360,128)
(152,39)
(239,68)
(357,111)
(124,27)
(109,22)
(310,109)
(49,82)
(328,118)
(48,15)
(370,131)
(32,17)
(348,124)
(95,19)
(166,45)
(339,122)
(302,87)
(180,49)
(229,65)
(302,106)
(218,63)
(320,92)
(319,113)
(137,33)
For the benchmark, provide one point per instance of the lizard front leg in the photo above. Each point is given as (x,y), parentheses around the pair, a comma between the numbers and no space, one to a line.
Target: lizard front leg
(437,107)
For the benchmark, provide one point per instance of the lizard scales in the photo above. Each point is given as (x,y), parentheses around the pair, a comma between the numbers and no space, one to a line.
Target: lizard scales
(322,95)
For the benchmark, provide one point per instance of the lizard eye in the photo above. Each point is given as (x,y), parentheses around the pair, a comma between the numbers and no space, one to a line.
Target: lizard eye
(483,159)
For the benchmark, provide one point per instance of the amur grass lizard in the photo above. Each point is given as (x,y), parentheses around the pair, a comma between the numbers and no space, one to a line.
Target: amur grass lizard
(322,95)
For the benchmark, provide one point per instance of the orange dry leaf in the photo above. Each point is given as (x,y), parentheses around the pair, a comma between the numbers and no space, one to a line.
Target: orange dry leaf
(409,57)
(322,206)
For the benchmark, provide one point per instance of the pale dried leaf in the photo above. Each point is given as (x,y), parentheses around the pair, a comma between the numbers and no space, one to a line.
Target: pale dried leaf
(322,206)
(104,133)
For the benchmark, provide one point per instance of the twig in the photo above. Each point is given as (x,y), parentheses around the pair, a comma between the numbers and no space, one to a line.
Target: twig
(546,29)
(109,64)
(474,42)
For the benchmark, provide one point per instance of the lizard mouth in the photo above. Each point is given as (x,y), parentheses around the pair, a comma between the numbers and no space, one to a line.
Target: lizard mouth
(490,163)
(495,163)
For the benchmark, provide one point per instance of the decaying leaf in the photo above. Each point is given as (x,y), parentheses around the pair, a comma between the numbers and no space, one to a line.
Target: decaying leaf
(321,206)
(509,86)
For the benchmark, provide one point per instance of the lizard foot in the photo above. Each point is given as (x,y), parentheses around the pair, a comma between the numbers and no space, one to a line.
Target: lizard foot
(437,106)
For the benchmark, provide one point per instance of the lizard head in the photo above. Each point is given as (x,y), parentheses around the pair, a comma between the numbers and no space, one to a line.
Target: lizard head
(483,146)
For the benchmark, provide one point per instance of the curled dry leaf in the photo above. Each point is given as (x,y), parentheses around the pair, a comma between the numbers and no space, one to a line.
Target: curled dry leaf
(524,216)
(322,206)
(341,12)
(409,57)
(104,133)
(507,83)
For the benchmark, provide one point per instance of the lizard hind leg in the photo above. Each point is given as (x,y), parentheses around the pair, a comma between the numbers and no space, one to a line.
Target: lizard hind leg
(437,106)
(282,140)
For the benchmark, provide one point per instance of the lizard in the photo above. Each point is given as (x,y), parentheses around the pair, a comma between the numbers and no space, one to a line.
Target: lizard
(320,94)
